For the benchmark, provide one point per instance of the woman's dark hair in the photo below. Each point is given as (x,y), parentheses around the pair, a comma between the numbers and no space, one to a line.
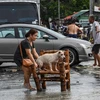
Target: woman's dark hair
(32,31)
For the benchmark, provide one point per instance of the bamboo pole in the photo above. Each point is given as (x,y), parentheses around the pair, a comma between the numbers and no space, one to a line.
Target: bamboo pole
(62,76)
(68,68)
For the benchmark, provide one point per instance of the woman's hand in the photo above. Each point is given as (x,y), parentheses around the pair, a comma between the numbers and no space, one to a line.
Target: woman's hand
(35,64)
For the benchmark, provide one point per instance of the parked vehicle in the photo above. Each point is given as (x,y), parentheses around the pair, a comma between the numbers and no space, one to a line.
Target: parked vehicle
(20,11)
(12,34)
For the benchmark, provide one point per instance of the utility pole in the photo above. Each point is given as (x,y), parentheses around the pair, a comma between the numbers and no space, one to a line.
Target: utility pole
(91,7)
(58,13)
(38,4)
(59,9)
(39,11)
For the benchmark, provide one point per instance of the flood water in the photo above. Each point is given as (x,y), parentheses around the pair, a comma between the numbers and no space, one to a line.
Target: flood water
(85,85)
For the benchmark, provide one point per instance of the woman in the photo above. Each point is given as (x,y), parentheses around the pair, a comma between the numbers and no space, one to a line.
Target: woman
(28,51)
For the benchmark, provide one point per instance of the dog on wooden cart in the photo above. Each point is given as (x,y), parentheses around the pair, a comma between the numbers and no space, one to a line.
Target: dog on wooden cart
(50,58)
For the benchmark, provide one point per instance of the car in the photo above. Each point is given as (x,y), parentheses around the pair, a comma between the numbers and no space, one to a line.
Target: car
(12,34)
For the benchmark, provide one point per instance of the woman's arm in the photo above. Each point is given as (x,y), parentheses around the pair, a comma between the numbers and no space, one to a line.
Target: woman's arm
(35,53)
(28,52)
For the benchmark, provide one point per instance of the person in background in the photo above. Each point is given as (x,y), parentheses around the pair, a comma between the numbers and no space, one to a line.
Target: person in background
(50,25)
(54,26)
(96,39)
(73,29)
(28,51)
(64,28)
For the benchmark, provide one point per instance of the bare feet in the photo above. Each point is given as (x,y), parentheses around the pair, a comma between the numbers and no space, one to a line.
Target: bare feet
(28,86)
(99,65)
(94,64)
(32,89)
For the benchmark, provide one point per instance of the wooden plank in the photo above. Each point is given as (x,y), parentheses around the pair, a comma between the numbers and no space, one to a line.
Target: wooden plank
(62,75)
(50,72)
(52,79)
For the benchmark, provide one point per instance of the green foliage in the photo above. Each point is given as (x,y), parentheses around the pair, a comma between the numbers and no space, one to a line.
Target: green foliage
(49,8)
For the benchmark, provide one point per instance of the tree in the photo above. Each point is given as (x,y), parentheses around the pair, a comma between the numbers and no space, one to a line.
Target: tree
(67,7)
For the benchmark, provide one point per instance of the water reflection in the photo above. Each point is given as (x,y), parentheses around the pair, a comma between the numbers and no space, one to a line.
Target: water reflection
(45,95)
(85,85)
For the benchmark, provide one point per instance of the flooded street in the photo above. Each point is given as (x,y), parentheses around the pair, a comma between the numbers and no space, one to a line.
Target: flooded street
(85,85)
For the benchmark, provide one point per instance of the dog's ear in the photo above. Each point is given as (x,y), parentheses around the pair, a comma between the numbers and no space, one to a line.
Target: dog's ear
(59,51)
